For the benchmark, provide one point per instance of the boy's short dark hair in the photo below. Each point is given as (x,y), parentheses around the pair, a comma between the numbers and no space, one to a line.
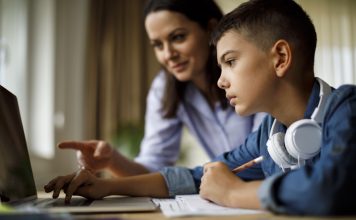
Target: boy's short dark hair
(263,22)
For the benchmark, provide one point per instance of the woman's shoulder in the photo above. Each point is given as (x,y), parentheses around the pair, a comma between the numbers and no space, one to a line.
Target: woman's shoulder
(159,80)
(157,88)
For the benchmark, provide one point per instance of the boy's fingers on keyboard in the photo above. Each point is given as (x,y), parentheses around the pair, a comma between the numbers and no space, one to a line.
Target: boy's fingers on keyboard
(61,183)
(54,182)
(72,188)
(47,188)
(50,185)
(56,192)
(81,177)
(67,198)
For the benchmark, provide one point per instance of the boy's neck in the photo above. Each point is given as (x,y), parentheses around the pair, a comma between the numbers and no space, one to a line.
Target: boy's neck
(294,99)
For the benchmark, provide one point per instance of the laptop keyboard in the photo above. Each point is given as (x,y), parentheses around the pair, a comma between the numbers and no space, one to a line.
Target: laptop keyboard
(46,203)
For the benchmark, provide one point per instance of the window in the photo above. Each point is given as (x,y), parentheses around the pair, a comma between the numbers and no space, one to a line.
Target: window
(26,59)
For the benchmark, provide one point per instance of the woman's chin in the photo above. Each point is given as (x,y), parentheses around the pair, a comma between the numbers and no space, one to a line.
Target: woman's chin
(182,77)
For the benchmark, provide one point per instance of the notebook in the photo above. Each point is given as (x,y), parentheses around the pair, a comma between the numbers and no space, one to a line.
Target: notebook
(17,185)
(194,205)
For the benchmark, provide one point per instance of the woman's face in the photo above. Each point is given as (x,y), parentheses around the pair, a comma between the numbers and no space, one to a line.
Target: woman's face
(180,45)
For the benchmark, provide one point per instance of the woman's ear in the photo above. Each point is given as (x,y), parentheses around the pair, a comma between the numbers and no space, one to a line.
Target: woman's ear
(282,57)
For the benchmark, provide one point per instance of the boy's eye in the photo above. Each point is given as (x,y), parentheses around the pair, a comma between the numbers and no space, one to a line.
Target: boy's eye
(230,62)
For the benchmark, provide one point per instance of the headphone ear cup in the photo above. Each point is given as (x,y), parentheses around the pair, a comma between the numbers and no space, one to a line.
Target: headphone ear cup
(278,152)
(303,139)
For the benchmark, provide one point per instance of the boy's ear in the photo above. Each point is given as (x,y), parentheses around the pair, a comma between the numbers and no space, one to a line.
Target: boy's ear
(282,57)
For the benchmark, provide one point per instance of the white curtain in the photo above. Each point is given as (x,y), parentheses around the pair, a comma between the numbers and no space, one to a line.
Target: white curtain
(335,23)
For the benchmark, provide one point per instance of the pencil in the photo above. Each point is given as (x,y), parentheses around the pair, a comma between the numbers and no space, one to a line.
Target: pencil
(248,164)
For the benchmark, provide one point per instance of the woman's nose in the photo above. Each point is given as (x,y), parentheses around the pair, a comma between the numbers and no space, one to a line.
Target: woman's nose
(170,52)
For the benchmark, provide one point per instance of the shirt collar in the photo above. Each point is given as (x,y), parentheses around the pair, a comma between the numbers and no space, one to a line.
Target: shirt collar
(313,100)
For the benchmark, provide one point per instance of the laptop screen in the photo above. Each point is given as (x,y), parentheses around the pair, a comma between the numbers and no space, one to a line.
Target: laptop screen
(16,178)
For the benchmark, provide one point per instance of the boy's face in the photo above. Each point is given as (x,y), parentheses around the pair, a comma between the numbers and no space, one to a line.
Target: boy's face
(247,73)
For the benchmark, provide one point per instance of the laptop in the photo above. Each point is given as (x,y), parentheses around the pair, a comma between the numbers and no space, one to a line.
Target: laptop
(17,185)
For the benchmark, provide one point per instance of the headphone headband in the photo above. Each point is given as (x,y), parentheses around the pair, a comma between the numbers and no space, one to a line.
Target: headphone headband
(318,112)
(302,139)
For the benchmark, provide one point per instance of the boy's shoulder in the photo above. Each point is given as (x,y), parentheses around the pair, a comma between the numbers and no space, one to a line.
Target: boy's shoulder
(345,97)
(345,92)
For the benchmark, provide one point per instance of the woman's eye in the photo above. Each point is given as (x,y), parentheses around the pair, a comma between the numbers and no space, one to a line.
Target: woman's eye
(178,37)
(157,45)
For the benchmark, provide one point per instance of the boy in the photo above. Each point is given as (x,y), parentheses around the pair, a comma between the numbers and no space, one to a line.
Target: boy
(266,53)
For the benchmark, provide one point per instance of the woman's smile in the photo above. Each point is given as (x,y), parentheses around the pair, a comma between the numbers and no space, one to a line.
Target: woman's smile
(180,67)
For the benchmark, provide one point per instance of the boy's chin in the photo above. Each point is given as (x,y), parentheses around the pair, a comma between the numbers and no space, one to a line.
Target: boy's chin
(242,111)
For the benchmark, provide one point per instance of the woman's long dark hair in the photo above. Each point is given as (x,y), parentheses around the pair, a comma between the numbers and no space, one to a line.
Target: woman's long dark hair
(200,11)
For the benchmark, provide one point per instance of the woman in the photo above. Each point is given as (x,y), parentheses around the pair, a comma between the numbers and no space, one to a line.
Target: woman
(184,93)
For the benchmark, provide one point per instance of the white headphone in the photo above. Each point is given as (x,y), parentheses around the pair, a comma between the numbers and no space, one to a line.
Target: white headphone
(302,139)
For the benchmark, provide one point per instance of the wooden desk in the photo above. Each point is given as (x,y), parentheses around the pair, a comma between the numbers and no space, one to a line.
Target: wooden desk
(157,215)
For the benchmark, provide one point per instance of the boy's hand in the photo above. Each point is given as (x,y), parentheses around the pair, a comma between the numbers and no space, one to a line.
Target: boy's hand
(82,183)
(220,185)
(217,183)
(92,155)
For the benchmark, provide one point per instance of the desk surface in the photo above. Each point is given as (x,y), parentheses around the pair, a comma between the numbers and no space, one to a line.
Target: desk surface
(157,215)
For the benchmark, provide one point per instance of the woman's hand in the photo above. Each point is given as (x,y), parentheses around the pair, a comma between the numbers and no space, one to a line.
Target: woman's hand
(82,183)
(98,155)
(92,155)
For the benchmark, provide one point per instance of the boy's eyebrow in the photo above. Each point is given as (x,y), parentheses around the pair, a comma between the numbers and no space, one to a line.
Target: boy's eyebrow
(222,57)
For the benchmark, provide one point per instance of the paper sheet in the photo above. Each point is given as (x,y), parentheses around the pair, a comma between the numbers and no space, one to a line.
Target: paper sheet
(194,205)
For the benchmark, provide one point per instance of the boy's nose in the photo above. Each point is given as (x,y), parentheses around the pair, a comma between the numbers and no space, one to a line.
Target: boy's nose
(222,83)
